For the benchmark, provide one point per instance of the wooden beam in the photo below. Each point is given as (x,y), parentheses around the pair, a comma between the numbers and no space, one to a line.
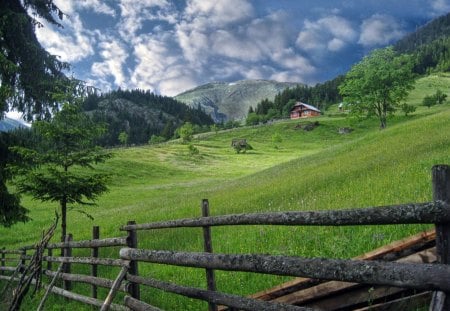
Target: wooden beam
(416,276)
(234,301)
(335,287)
(81,278)
(300,283)
(430,212)
(114,288)
(137,305)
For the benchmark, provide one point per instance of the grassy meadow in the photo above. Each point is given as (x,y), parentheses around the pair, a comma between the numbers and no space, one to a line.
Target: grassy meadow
(289,169)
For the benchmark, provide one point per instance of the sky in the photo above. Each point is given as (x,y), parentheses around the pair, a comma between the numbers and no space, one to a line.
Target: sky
(168,47)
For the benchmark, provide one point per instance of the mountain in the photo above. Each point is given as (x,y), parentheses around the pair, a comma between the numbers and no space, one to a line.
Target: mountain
(231,101)
(8,124)
(429,46)
(140,114)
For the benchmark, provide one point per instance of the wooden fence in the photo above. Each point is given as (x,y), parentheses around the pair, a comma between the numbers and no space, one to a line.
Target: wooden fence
(68,258)
(424,276)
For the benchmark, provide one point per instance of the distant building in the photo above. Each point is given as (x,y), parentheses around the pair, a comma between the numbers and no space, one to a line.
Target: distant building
(302,110)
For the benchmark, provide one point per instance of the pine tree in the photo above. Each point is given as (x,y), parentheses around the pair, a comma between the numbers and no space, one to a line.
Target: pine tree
(28,77)
(61,169)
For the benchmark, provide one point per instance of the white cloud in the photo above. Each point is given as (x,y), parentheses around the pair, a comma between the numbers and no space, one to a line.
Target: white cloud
(134,13)
(440,6)
(72,44)
(379,30)
(95,5)
(114,55)
(229,44)
(159,67)
(330,33)
(218,13)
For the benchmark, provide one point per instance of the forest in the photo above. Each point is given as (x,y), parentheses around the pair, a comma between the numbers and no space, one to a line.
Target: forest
(137,115)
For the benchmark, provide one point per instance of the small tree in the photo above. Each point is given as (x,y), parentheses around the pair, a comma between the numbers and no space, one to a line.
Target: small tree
(186,132)
(440,97)
(61,169)
(407,109)
(437,98)
(252,119)
(155,139)
(428,101)
(123,138)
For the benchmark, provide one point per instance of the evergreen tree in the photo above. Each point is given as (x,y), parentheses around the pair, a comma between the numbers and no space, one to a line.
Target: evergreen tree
(61,169)
(29,74)
(28,77)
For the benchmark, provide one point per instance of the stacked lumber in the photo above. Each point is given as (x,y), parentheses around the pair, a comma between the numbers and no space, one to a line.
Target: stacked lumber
(336,295)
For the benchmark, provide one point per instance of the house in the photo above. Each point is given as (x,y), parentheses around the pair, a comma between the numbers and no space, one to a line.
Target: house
(302,110)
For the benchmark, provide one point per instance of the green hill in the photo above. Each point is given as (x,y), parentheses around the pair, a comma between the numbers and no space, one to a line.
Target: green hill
(289,169)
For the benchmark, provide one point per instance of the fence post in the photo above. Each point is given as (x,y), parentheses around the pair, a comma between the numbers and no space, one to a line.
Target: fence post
(67,268)
(441,192)
(132,242)
(23,261)
(94,254)
(3,260)
(210,278)
(49,263)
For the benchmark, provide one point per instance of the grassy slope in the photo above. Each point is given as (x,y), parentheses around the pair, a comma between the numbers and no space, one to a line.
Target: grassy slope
(305,171)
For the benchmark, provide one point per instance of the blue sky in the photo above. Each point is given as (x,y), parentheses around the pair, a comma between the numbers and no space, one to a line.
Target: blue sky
(172,46)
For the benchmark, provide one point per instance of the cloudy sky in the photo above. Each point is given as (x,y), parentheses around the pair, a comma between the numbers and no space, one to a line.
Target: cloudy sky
(171,46)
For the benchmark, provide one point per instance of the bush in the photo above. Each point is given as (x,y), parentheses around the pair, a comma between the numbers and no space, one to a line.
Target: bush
(193,150)
(407,109)
(186,132)
(155,139)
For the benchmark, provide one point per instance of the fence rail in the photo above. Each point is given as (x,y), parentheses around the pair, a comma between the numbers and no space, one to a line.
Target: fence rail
(395,276)
(420,213)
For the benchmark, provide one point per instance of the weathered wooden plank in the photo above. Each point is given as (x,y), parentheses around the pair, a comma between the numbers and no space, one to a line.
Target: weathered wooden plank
(338,295)
(10,251)
(207,247)
(108,242)
(132,241)
(94,253)
(49,287)
(114,288)
(406,303)
(234,301)
(137,305)
(88,260)
(6,268)
(412,213)
(416,276)
(300,283)
(441,191)
(86,300)
(349,300)
(81,278)
(335,287)
(4,260)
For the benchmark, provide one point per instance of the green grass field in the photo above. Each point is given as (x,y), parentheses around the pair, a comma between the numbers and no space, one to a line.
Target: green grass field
(315,170)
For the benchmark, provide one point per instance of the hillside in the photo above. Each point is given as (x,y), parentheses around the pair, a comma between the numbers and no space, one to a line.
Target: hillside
(436,29)
(301,170)
(140,114)
(231,101)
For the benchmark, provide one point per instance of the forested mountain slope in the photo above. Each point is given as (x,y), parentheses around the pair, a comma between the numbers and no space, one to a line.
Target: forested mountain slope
(140,114)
